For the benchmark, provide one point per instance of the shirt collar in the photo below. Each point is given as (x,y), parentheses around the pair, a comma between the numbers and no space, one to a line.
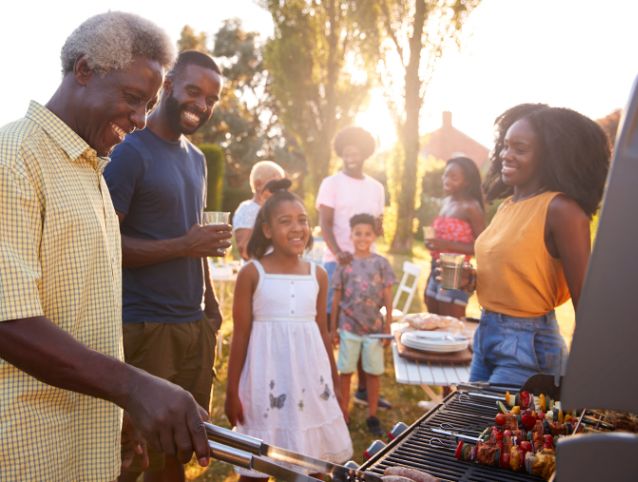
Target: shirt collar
(75,147)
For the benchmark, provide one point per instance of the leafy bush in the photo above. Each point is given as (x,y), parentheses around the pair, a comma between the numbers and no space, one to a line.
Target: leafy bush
(215,165)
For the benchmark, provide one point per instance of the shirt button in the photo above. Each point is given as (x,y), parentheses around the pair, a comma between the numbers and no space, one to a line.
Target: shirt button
(292,296)
(292,312)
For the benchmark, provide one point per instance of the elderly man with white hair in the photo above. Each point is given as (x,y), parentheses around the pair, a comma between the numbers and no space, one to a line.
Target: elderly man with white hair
(63,384)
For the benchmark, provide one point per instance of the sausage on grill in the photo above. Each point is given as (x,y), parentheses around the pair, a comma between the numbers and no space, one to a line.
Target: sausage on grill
(395,478)
(412,474)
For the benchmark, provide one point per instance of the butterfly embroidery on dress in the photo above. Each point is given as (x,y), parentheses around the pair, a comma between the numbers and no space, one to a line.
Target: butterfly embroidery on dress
(326,393)
(277,402)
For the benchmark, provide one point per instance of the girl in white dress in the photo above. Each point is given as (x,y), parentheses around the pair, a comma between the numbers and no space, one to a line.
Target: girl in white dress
(281,371)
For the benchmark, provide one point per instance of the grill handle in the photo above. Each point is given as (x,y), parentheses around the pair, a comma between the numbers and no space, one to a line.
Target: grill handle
(234,439)
(247,460)
(231,455)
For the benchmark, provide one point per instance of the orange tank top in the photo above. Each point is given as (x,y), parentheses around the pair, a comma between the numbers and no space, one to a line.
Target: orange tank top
(517,276)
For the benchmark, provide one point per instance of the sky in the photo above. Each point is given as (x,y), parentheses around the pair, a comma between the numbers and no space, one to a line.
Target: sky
(569,53)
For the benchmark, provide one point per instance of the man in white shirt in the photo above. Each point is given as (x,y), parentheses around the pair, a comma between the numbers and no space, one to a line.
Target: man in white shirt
(341,196)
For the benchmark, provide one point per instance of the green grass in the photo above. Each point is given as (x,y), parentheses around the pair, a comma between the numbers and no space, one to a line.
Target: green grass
(403,397)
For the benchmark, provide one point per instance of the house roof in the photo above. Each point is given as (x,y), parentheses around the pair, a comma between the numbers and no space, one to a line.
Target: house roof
(447,142)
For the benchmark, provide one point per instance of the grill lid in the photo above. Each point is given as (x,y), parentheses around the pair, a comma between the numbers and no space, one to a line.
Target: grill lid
(601,371)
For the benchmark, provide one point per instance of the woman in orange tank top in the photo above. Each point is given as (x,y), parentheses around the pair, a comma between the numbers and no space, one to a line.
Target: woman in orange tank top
(550,164)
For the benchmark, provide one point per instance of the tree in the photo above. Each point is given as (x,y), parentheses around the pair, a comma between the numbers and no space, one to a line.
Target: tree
(243,123)
(189,40)
(411,34)
(315,94)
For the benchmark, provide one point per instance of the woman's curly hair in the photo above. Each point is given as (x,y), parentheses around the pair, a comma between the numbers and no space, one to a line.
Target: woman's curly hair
(573,154)
(110,41)
(493,185)
(354,136)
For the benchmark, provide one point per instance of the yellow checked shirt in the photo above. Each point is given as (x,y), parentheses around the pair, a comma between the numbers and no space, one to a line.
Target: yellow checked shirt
(59,258)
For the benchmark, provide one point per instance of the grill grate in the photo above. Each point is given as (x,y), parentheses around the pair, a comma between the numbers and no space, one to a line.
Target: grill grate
(421,448)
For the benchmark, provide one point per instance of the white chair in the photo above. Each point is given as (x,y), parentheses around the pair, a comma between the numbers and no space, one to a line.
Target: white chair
(407,288)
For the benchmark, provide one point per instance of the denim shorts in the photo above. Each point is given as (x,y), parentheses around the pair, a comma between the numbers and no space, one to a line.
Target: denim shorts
(508,350)
(435,291)
(351,346)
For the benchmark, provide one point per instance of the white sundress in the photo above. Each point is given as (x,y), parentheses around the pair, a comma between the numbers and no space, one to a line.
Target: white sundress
(286,386)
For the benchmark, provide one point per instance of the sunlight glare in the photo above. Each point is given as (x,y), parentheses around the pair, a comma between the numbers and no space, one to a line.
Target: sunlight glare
(376,119)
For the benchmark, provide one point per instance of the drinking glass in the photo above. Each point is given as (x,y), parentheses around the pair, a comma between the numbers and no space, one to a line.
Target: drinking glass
(216,217)
(451,270)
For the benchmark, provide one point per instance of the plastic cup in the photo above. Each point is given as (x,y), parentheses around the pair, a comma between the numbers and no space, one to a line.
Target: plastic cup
(428,232)
(216,217)
(451,270)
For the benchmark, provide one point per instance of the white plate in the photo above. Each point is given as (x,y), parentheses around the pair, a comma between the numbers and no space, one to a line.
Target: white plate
(435,336)
(439,342)
(447,349)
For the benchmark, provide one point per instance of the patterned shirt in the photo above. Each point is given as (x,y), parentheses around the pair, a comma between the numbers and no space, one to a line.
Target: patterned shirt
(362,283)
(59,258)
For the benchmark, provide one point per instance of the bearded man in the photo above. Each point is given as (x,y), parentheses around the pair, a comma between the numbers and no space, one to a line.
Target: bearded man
(157,179)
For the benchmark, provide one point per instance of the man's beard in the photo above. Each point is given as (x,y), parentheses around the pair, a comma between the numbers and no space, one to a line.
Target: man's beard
(174,117)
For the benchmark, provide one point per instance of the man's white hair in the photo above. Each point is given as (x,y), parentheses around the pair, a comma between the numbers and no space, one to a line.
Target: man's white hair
(265,171)
(110,41)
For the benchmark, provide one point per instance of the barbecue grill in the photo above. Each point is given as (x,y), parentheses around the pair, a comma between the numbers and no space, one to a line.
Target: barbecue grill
(429,443)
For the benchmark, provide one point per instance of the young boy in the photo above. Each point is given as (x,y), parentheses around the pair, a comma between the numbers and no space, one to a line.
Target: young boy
(361,288)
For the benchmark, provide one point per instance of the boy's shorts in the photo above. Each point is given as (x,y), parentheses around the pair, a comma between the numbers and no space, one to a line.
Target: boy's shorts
(351,346)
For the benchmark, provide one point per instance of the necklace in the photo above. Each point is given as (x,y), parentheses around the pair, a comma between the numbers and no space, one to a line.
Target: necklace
(527,196)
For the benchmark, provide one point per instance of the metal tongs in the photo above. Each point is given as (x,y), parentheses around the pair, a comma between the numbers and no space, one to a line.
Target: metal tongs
(252,453)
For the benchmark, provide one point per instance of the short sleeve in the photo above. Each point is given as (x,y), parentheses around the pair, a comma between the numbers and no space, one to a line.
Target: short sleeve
(20,238)
(121,175)
(337,278)
(326,194)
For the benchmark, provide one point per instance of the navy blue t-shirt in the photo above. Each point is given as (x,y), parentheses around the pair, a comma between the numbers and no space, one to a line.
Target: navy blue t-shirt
(159,186)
